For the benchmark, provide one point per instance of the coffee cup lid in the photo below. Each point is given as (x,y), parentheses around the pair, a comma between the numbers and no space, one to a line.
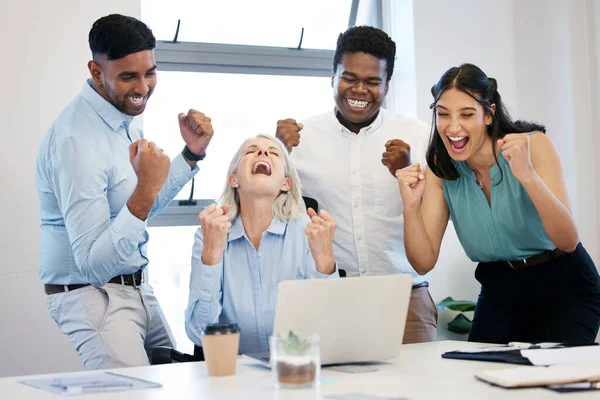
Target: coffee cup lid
(220,329)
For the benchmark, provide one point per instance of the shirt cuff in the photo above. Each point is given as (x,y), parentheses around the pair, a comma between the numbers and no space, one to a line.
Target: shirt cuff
(210,282)
(334,275)
(127,226)
(181,171)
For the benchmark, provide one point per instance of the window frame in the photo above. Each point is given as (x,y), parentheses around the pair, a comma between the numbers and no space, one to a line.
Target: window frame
(240,59)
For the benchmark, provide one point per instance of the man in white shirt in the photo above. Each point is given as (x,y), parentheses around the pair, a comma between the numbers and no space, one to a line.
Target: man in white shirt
(339,159)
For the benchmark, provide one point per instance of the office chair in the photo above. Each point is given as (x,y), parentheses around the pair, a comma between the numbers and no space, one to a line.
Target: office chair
(168,355)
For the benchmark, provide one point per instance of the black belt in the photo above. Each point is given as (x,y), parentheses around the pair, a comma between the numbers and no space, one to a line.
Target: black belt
(420,285)
(128,280)
(537,259)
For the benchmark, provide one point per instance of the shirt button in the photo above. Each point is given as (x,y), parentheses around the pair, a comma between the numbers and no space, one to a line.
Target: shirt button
(260,254)
(356,204)
(363,271)
(359,238)
(355,172)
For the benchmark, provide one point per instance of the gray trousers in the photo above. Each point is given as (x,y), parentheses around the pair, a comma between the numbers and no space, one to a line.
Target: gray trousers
(111,326)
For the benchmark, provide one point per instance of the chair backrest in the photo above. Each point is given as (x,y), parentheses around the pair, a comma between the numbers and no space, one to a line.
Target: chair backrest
(309,202)
(198,353)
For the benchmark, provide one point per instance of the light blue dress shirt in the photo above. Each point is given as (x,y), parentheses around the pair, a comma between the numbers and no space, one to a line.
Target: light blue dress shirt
(84,180)
(509,228)
(242,288)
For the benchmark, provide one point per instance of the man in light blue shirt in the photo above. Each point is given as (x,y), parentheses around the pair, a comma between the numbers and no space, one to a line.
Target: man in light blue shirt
(98,182)
(237,266)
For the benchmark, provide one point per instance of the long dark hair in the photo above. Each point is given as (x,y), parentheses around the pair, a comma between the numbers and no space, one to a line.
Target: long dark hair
(471,80)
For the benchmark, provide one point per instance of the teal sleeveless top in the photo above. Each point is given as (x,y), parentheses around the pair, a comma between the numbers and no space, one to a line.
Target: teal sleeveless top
(509,228)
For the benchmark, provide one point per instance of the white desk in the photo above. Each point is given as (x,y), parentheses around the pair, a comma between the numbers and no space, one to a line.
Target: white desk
(419,373)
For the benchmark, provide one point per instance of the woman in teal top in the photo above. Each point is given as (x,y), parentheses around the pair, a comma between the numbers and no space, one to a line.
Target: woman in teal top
(502,184)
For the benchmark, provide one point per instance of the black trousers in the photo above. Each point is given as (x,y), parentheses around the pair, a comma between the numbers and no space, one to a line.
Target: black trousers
(555,301)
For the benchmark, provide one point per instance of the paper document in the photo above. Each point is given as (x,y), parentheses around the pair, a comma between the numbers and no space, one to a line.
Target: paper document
(567,355)
(511,347)
(538,376)
(85,384)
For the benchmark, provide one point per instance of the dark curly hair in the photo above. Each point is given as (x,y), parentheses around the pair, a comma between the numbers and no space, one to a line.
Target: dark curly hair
(117,36)
(366,39)
(471,80)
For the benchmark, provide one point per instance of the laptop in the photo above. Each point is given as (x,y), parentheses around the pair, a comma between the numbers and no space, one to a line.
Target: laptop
(358,319)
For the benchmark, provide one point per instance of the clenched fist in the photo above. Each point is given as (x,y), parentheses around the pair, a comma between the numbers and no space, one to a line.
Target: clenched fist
(196,131)
(215,226)
(288,131)
(150,164)
(412,185)
(320,239)
(515,149)
(396,155)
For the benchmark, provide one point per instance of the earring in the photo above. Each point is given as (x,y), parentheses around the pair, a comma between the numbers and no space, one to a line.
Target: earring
(236,186)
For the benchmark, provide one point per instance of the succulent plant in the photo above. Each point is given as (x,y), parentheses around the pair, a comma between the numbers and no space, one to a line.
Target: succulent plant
(294,345)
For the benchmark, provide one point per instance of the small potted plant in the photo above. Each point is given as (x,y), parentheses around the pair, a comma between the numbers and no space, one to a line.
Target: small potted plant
(295,361)
(461,324)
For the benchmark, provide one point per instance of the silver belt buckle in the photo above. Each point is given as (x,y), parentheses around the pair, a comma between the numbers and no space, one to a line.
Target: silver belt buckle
(513,267)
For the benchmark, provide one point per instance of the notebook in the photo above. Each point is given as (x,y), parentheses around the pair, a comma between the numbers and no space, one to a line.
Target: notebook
(541,376)
(518,353)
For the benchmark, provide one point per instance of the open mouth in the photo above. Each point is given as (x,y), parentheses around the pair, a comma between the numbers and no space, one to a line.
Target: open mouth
(261,167)
(357,105)
(458,143)
(136,101)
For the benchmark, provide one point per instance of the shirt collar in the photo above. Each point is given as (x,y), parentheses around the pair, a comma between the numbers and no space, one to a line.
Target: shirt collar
(237,231)
(367,130)
(109,113)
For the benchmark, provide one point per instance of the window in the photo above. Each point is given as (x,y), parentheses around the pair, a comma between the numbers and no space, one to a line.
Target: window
(258,22)
(239,105)
(245,75)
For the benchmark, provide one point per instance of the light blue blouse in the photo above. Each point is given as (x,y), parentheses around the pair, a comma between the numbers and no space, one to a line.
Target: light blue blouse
(243,287)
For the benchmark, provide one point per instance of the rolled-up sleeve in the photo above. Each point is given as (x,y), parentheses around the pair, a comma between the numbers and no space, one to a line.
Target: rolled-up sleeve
(313,273)
(206,290)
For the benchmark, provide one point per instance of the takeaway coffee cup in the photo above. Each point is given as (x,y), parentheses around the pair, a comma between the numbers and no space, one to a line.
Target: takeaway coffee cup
(220,343)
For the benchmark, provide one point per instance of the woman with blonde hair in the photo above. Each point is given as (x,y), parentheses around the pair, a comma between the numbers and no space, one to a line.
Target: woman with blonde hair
(259,236)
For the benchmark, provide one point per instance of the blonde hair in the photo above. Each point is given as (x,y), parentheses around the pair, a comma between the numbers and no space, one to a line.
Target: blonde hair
(287,205)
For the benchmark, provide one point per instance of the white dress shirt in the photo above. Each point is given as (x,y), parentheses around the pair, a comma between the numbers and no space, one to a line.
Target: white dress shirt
(343,172)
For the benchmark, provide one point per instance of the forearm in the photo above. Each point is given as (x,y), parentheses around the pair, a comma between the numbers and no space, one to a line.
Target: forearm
(204,304)
(141,201)
(556,217)
(104,253)
(180,173)
(198,314)
(315,272)
(325,264)
(419,251)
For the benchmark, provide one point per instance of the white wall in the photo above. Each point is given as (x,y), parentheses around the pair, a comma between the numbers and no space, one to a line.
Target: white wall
(555,76)
(43,66)
(447,34)
(547,71)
